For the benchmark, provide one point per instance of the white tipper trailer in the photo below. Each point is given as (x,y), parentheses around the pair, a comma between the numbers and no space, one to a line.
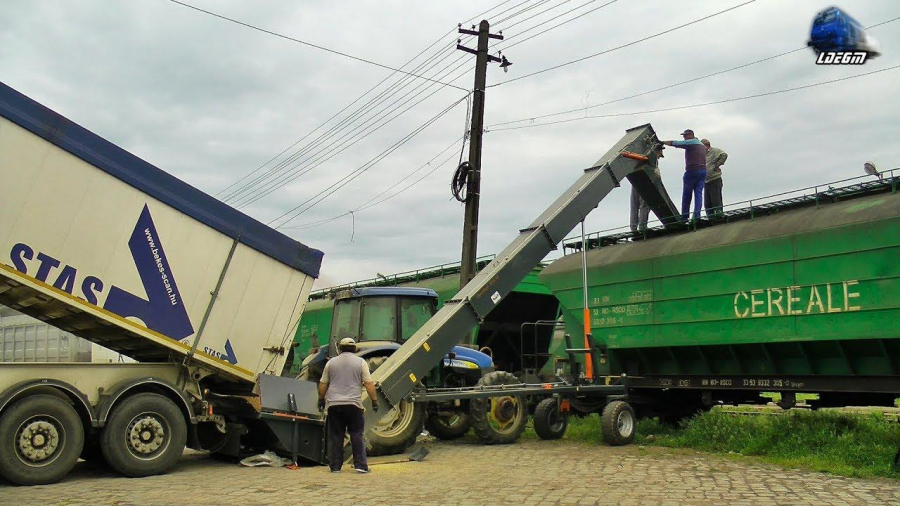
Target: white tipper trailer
(103,245)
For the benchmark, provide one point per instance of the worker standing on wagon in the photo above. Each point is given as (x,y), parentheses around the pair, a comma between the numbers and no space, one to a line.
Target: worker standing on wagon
(694,172)
(712,193)
(640,209)
(640,212)
(341,390)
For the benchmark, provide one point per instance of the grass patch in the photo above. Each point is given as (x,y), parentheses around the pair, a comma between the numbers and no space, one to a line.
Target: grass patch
(840,443)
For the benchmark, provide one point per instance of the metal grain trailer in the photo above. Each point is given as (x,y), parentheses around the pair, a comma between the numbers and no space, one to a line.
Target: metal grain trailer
(797,296)
(105,246)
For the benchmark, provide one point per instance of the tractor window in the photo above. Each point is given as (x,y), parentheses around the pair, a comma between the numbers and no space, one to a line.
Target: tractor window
(346,319)
(415,313)
(379,322)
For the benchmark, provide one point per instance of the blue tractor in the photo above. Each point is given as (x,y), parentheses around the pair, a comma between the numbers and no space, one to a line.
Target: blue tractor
(381,319)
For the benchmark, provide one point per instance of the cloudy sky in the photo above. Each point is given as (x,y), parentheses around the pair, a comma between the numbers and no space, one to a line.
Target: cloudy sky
(211,101)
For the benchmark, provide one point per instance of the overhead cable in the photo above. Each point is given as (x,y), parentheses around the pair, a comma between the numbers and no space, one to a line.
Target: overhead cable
(305,43)
(702,104)
(658,34)
(232,185)
(374,200)
(540,25)
(312,201)
(332,151)
(264,181)
(669,86)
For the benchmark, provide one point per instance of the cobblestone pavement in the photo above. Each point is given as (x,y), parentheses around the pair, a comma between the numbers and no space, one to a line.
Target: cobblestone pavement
(526,473)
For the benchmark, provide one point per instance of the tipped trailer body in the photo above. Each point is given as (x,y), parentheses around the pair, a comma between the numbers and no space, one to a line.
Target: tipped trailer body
(105,246)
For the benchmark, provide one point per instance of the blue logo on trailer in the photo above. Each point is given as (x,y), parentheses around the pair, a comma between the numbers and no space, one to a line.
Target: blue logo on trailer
(838,39)
(162,311)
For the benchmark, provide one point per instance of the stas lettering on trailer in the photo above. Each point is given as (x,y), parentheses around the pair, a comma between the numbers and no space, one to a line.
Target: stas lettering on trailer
(162,311)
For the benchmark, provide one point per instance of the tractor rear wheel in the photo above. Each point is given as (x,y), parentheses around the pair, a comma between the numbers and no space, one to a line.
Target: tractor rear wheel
(398,428)
(498,420)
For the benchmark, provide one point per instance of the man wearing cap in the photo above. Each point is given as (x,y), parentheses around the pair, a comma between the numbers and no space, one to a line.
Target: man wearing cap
(341,390)
(694,172)
(712,193)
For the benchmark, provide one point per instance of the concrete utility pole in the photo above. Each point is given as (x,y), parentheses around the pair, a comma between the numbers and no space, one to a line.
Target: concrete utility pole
(473,183)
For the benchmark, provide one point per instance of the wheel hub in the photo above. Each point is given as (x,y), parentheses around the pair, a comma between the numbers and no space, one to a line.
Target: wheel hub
(146,435)
(38,441)
(505,409)
(396,420)
(625,423)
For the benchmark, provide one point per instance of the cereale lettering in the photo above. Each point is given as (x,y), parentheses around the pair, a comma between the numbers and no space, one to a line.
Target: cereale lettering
(841,296)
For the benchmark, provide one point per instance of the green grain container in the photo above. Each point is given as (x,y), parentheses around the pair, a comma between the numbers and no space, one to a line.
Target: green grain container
(786,298)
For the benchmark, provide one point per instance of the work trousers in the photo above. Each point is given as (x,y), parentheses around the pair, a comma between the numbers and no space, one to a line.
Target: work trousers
(640,212)
(693,187)
(343,419)
(712,197)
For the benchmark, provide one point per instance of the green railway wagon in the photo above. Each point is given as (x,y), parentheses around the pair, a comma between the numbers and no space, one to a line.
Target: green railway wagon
(500,331)
(800,296)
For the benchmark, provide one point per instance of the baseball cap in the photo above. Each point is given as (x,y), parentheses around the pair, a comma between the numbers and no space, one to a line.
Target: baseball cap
(347,341)
(688,131)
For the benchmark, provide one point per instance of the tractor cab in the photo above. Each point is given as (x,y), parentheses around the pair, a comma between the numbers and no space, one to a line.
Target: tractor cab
(381,319)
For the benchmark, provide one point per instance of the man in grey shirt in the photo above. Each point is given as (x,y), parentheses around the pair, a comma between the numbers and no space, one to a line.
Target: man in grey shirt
(341,390)
(715,159)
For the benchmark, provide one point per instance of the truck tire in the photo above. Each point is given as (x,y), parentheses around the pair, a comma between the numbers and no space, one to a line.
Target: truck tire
(41,437)
(617,423)
(498,420)
(398,428)
(145,435)
(447,427)
(549,423)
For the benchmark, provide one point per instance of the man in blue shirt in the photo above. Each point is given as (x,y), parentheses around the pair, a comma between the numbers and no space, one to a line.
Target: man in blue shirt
(694,172)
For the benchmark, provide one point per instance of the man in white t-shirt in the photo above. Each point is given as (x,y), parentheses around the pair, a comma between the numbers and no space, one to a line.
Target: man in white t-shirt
(341,390)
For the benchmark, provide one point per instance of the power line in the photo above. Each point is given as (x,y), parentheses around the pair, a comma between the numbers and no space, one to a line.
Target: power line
(658,34)
(519,13)
(504,48)
(330,150)
(277,171)
(669,86)
(293,213)
(297,211)
(548,9)
(310,44)
(371,202)
(280,181)
(345,108)
(702,104)
(322,125)
(317,160)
